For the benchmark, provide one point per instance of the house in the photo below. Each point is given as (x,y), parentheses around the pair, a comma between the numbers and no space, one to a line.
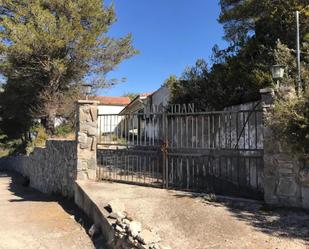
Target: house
(108,110)
(111,105)
(143,114)
(158,101)
(132,119)
(137,105)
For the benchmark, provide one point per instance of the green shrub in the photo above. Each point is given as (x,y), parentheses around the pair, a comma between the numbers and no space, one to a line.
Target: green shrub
(290,122)
(63,130)
(40,138)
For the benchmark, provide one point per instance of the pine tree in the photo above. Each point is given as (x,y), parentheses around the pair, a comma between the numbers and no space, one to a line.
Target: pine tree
(48,47)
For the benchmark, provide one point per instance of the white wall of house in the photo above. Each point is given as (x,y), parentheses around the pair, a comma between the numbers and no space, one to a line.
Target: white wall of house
(161,96)
(108,124)
(157,100)
(110,109)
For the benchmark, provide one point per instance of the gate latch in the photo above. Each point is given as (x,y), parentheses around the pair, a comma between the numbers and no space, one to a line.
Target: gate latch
(164,147)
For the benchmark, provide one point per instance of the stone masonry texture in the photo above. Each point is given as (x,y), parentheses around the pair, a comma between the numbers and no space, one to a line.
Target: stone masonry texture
(86,137)
(55,168)
(286,178)
(50,170)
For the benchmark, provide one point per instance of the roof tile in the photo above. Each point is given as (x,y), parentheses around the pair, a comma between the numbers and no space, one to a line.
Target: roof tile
(106,100)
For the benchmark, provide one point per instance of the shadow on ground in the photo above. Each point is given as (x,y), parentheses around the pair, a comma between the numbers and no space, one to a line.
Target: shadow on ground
(19,186)
(280,222)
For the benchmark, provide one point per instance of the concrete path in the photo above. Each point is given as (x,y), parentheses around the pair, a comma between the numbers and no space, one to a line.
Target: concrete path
(189,221)
(29,219)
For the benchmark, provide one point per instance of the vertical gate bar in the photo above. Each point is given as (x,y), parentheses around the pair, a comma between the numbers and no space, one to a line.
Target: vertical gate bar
(157,162)
(196,132)
(118,175)
(208,131)
(228,169)
(225,139)
(148,172)
(236,131)
(123,166)
(249,129)
(108,129)
(165,157)
(256,130)
(249,165)
(187,173)
(129,128)
(102,165)
(187,133)
(99,129)
(153,132)
(133,129)
(230,130)
(139,129)
(132,166)
(125,130)
(213,132)
(220,170)
(192,130)
(103,130)
(172,132)
(193,186)
(126,159)
(122,128)
(144,166)
(139,167)
(238,156)
(145,128)
(178,130)
(115,166)
(112,129)
(181,130)
(115,128)
(244,126)
(203,139)
(172,171)
(257,169)
(154,169)
(219,126)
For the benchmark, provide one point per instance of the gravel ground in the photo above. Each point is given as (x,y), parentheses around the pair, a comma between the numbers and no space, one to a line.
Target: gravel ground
(188,221)
(29,219)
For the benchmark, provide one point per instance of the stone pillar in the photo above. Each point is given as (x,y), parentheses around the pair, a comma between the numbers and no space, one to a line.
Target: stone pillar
(281,169)
(269,173)
(86,137)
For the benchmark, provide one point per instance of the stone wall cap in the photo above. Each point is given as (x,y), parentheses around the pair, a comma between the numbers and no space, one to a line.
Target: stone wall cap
(88,102)
(266,90)
(60,139)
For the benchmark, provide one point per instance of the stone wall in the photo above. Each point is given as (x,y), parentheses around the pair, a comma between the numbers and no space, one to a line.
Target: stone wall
(50,170)
(55,168)
(86,137)
(286,178)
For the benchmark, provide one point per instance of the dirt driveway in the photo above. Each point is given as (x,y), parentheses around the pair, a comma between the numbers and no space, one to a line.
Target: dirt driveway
(28,219)
(188,221)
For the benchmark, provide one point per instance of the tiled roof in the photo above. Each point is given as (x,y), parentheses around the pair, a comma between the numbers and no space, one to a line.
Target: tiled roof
(105,100)
(144,95)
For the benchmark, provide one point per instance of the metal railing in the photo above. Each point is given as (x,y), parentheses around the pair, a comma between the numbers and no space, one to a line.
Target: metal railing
(201,151)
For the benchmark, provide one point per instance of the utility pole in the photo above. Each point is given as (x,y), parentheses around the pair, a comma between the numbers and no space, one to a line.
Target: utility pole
(299,87)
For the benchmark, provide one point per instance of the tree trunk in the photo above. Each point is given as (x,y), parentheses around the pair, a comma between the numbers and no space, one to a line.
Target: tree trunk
(50,121)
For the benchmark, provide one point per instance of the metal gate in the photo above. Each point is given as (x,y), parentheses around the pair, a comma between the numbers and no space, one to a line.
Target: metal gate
(129,148)
(219,152)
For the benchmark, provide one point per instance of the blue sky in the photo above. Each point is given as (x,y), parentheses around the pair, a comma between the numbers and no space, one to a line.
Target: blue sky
(170,35)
